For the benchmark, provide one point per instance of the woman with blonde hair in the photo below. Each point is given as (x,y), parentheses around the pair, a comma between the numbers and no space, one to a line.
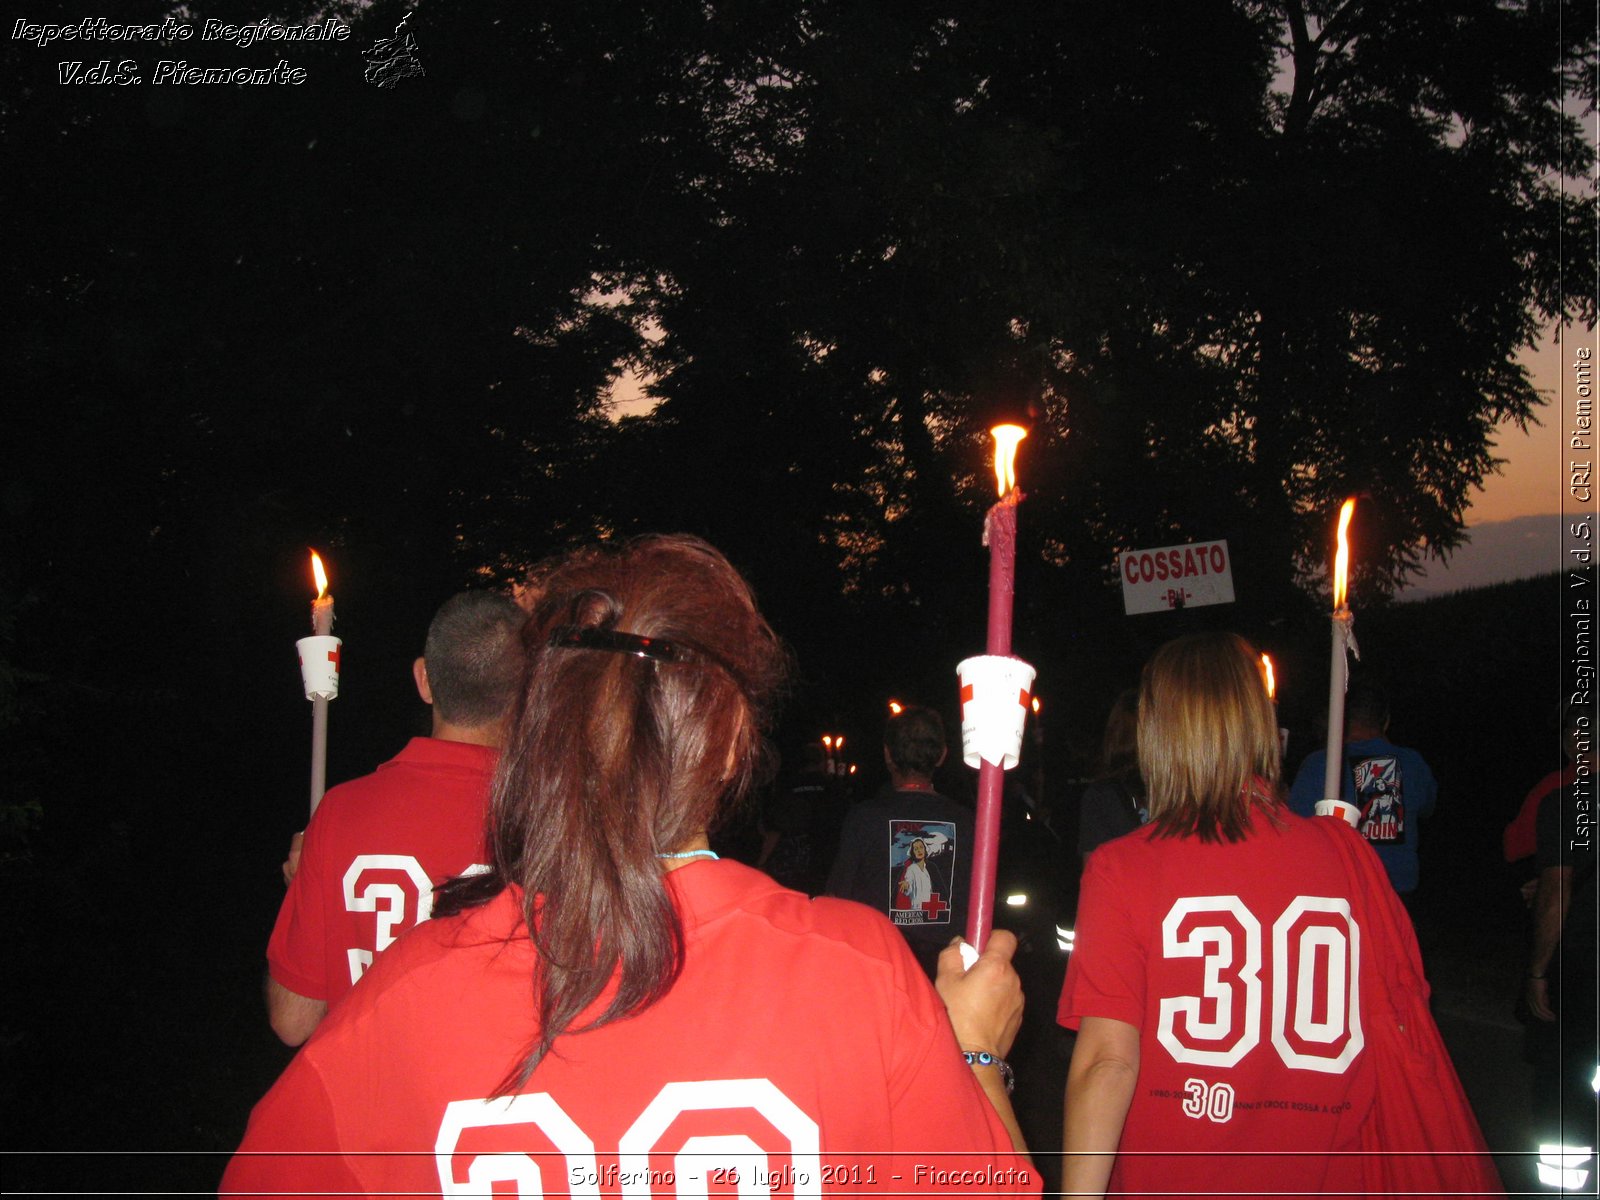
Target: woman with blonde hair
(611,1010)
(1246,986)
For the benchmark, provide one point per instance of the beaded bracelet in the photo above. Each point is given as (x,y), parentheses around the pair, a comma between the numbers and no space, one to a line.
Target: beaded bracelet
(982,1058)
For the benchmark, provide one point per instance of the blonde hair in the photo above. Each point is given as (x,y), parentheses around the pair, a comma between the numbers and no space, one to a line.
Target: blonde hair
(1208,738)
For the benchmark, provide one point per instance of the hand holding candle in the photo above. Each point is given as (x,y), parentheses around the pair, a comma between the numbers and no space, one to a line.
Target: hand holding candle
(1000,535)
(1332,802)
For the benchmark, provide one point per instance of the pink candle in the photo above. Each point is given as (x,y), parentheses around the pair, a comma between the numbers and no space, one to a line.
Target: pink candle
(1000,534)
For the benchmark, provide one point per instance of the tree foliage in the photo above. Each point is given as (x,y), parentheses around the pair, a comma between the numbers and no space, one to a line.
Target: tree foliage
(1235,259)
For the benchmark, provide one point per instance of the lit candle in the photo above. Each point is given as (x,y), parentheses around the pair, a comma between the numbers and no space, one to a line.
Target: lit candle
(1271,677)
(1344,643)
(1000,535)
(1040,800)
(321,626)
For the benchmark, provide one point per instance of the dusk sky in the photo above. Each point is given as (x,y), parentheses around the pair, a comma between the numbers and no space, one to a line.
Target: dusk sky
(1531,481)
(1514,522)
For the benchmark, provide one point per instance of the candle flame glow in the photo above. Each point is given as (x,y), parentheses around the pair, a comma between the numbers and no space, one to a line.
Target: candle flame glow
(827,741)
(1006,438)
(896,708)
(319,575)
(1341,557)
(1272,679)
(1036,706)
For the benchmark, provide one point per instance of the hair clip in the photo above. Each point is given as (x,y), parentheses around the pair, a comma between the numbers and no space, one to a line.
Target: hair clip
(589,637)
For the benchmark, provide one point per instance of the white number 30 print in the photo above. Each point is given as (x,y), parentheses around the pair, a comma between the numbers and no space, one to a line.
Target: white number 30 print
(1213,1101)
(1314,1028)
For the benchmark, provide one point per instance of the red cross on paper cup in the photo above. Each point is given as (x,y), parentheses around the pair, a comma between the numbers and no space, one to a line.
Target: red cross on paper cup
(1338,808)
(319,665)
(995,694)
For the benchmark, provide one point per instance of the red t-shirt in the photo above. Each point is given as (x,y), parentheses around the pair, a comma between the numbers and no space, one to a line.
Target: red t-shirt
(801,1048)
(1242,966)
(372,855)
(1520,839)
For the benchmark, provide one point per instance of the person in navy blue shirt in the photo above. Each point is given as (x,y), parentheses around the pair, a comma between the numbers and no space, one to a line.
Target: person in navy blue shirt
(1391,785)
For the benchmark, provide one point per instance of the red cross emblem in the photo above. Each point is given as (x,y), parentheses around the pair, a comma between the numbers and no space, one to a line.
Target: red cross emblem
(933,906)
(333,657)
(1022,696)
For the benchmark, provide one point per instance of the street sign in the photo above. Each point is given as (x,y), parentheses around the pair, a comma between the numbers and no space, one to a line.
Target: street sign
(1175,577)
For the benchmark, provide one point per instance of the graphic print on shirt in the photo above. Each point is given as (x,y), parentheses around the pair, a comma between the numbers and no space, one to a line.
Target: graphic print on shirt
(692,1136)
(1300,978)
(382,884)
(1381,798)
(922,866)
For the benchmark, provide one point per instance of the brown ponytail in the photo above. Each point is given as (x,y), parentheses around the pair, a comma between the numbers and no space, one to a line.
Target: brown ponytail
(622,747)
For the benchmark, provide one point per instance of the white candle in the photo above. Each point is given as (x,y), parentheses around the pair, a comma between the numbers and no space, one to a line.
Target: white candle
(1333,803)
(321,626)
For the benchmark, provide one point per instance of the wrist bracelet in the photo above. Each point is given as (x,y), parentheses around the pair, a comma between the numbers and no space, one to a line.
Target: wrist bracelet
(982,1058)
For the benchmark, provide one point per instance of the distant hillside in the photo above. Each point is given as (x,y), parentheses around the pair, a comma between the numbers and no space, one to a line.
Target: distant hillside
(1497,551)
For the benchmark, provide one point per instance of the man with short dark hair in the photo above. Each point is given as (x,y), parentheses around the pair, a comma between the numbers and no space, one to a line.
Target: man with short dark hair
(904,852)
(1390,785)
(377,845)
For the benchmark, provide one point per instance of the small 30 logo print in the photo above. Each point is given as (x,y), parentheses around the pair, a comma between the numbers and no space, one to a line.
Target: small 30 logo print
(394,58)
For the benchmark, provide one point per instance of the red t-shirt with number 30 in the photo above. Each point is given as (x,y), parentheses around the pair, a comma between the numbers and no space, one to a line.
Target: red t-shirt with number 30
(800,1053)
(1244,969)
(371,858)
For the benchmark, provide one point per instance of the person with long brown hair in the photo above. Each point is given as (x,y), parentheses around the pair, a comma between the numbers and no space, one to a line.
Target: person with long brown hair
(610,1007)
(1246,987)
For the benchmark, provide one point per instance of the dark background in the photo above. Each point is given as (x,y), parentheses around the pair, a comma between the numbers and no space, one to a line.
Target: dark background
(1213,253)
(137,918)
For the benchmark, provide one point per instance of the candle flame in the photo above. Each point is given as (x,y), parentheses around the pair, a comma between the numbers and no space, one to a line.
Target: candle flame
(319,575)
(896,708)
(1006,438)
(1272,679)
(838,742)
(1036,706)
(827,741)
(1341,557)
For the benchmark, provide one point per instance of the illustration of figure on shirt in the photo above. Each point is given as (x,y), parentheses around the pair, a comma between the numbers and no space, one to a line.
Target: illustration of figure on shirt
(921,866)
(1381,798)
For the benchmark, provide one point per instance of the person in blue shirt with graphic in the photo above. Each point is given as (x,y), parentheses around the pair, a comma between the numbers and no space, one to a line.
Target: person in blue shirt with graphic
(1391,785)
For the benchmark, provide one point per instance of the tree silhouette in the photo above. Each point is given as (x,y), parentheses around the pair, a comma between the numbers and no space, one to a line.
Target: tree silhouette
(1234,259)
